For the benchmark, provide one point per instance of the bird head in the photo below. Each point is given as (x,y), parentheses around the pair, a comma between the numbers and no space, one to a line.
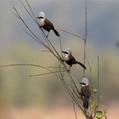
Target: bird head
(41,15)
(67,51)
(84,82)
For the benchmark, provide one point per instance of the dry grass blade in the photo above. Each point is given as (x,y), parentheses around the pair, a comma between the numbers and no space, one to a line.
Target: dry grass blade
(44,73)
(33,65)
(73,34)
(60,44)
(98,82)
(85,39)
(90,68)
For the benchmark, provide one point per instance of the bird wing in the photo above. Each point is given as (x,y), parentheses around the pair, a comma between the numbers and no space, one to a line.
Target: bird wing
(72,58)
(85,91)
(49,23)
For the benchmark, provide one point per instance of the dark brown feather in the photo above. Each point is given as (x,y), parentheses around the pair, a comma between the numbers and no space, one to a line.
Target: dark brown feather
(48,25)
(85,91)
(71,60)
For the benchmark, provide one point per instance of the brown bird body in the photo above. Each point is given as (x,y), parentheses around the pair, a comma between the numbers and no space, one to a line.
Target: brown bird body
(85,92)
(70,60)
(46,24)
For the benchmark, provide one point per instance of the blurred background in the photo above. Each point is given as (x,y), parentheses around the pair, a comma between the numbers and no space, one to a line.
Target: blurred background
(23,97)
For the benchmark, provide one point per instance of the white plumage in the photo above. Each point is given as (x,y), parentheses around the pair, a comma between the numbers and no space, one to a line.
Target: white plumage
(41,21)
(42,14)
(85,81)
(66,56)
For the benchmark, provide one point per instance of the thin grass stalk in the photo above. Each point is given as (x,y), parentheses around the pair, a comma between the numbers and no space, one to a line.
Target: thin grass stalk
(35,75)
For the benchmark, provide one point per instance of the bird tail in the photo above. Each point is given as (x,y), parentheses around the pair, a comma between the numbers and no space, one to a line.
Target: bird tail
(85,103)
(56,32)
(81,64)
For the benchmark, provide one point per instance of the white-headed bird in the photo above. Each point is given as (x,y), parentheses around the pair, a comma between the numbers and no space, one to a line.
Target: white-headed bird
(70,60)
(85,92)
(46,24)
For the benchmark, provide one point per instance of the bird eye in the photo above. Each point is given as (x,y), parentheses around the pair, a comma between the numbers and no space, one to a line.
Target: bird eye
(41,17)
(82,83)
(65,52)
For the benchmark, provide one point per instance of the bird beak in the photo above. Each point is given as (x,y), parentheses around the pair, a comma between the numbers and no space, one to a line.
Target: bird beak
(64,52)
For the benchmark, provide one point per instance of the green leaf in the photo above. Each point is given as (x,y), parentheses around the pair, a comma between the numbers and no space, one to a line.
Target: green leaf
(99,115)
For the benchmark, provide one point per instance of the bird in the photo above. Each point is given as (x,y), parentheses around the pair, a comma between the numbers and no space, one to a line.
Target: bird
(85,92)
(44,23)
(70,59)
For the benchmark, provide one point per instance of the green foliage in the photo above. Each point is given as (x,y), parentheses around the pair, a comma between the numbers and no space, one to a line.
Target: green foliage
(99,115)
